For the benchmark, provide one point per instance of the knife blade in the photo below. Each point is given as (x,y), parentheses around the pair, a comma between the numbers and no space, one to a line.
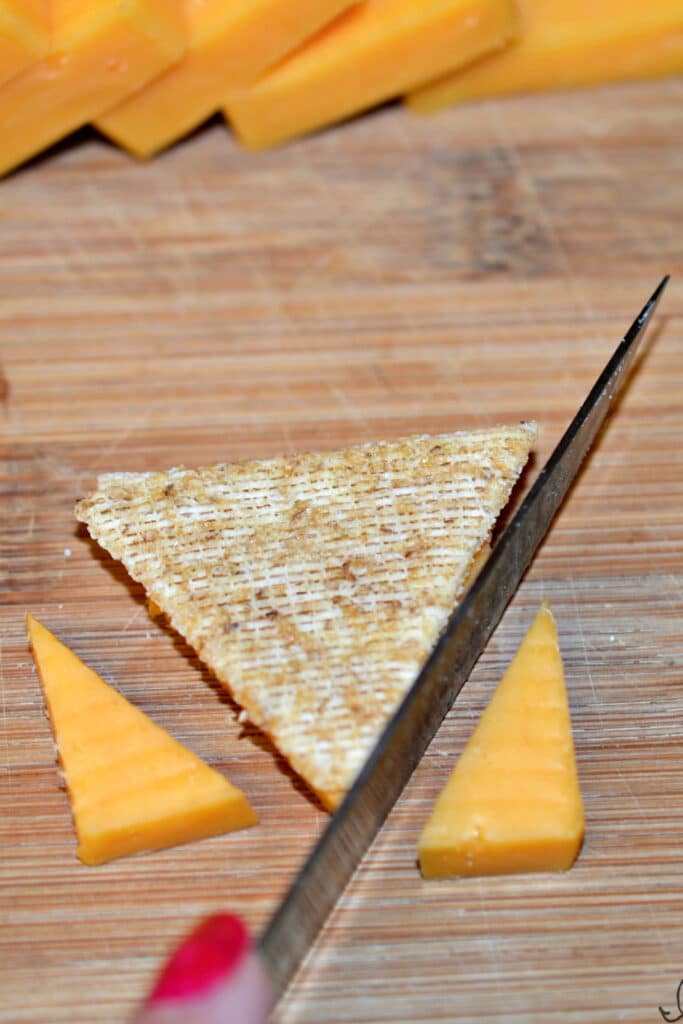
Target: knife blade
(292,930)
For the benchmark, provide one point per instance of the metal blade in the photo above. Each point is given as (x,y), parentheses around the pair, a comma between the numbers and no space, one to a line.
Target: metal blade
(293,929)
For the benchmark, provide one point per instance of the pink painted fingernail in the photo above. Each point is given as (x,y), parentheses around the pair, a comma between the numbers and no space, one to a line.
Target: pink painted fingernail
(210,954)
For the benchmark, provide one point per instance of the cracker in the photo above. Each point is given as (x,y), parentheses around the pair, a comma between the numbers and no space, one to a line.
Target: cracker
(315,585)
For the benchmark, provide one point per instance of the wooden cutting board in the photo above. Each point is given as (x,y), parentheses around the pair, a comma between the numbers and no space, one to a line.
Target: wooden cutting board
(396,275)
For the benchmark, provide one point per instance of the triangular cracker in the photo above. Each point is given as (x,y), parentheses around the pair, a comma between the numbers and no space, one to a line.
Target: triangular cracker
(314,586)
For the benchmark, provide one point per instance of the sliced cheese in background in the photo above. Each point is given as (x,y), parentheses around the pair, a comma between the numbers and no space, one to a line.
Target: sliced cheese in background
(132,786)
(373,53)
(513,803)
(231,43)
(570,44)
(100,51)
(24,35)
(314,585)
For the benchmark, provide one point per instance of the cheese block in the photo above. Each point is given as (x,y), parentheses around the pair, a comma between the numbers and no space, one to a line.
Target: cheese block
(570,44)
(376,51)
(100,51)
(132,786)
(513,802)
(24,35)
(314,586)
(231,43)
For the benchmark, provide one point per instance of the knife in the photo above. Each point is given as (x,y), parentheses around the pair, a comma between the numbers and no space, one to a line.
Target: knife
(323,877)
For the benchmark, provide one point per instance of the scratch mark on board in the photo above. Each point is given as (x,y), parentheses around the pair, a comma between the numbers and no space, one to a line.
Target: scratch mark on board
(584,646)
(133,618)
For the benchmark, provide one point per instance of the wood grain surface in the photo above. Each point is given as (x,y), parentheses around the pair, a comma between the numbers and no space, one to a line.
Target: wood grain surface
(398,274)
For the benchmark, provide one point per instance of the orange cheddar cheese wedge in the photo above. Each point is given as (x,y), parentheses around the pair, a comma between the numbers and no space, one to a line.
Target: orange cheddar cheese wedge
(132,786)
(24,35)
(376,51)
(231,43)
(512,802)
(100,51)
(570,44)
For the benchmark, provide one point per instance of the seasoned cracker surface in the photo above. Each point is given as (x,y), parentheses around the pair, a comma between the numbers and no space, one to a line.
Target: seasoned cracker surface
(314,586)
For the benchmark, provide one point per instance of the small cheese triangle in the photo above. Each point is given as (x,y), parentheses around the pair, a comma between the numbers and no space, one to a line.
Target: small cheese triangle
(314,585)
(132,786)
(513,803)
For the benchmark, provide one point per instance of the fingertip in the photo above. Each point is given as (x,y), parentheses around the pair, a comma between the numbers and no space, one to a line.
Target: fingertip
(210,954)
(214,977)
